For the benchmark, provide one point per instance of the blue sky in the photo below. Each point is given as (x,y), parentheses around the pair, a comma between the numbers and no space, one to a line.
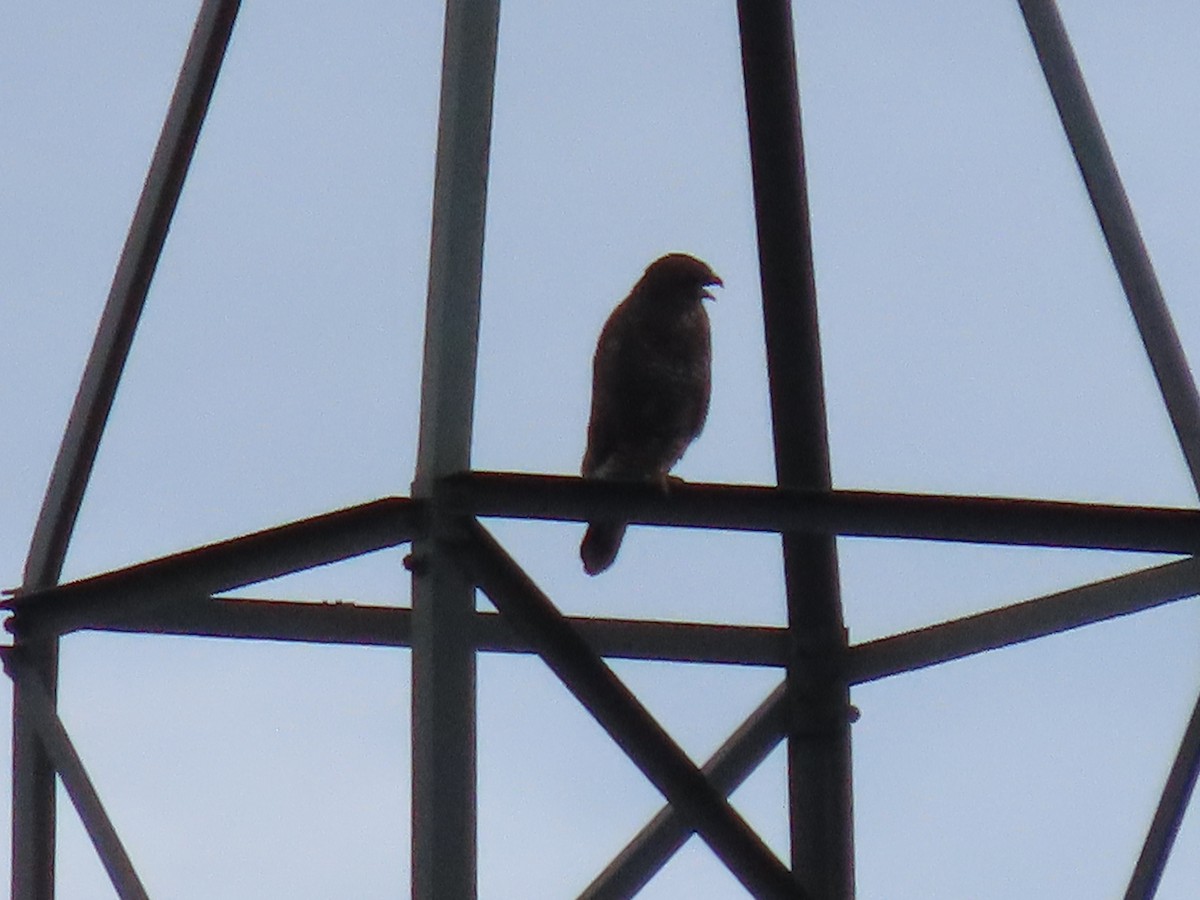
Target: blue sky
(975,337)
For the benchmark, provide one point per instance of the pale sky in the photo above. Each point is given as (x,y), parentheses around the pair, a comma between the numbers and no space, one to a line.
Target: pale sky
(976,341)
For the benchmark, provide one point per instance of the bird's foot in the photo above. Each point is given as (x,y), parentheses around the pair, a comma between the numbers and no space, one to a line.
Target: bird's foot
(665,482)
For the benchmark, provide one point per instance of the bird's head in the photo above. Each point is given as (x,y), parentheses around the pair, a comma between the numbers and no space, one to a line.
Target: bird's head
(680,275)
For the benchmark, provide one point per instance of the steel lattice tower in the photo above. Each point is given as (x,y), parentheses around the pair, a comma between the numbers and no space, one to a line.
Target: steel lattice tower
(453,554)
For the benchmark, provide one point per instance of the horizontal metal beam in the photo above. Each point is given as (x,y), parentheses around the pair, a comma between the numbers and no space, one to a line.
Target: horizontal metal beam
(661,760)
(314,622)
(384,523)
(726,769)
(223,566)
(984,520)
(1062,611)
(58,747)
(351,623)
(693,642)
(756,645)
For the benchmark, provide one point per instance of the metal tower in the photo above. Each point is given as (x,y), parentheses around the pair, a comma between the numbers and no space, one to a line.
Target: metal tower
(453,554)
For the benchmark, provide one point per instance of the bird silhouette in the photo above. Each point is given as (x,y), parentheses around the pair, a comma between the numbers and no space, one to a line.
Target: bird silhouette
(651,381)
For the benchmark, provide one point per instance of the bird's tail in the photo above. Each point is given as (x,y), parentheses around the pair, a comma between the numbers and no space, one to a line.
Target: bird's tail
(600,546)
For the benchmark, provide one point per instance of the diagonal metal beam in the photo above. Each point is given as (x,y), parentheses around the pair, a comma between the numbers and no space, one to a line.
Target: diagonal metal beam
(33,840)
(629,724)
(1121,232)
(1159,337)
(341,622)
(645,855)
(751,743)
(1168,816)
(223,566)
(127,295)
(726,769)
(983,520)
(66,761)
(1020,622)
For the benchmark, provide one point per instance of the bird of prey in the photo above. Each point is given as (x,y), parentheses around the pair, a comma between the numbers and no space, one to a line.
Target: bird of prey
(651,380)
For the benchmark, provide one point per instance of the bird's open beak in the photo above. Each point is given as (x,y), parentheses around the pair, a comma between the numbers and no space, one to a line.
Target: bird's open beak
(717,282)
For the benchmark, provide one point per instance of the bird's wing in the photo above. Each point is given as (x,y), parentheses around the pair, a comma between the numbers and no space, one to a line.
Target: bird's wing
(611,385)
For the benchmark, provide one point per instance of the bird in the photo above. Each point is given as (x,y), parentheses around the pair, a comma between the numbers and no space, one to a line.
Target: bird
(651,384)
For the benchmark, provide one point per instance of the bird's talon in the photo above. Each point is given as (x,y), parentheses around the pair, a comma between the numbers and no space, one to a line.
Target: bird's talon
(665,483)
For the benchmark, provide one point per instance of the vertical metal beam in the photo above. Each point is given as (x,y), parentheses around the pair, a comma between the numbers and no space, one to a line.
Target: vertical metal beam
(33,778)
(1136,272)
(819,737)
(33,797)
(443,657)
(75,779)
